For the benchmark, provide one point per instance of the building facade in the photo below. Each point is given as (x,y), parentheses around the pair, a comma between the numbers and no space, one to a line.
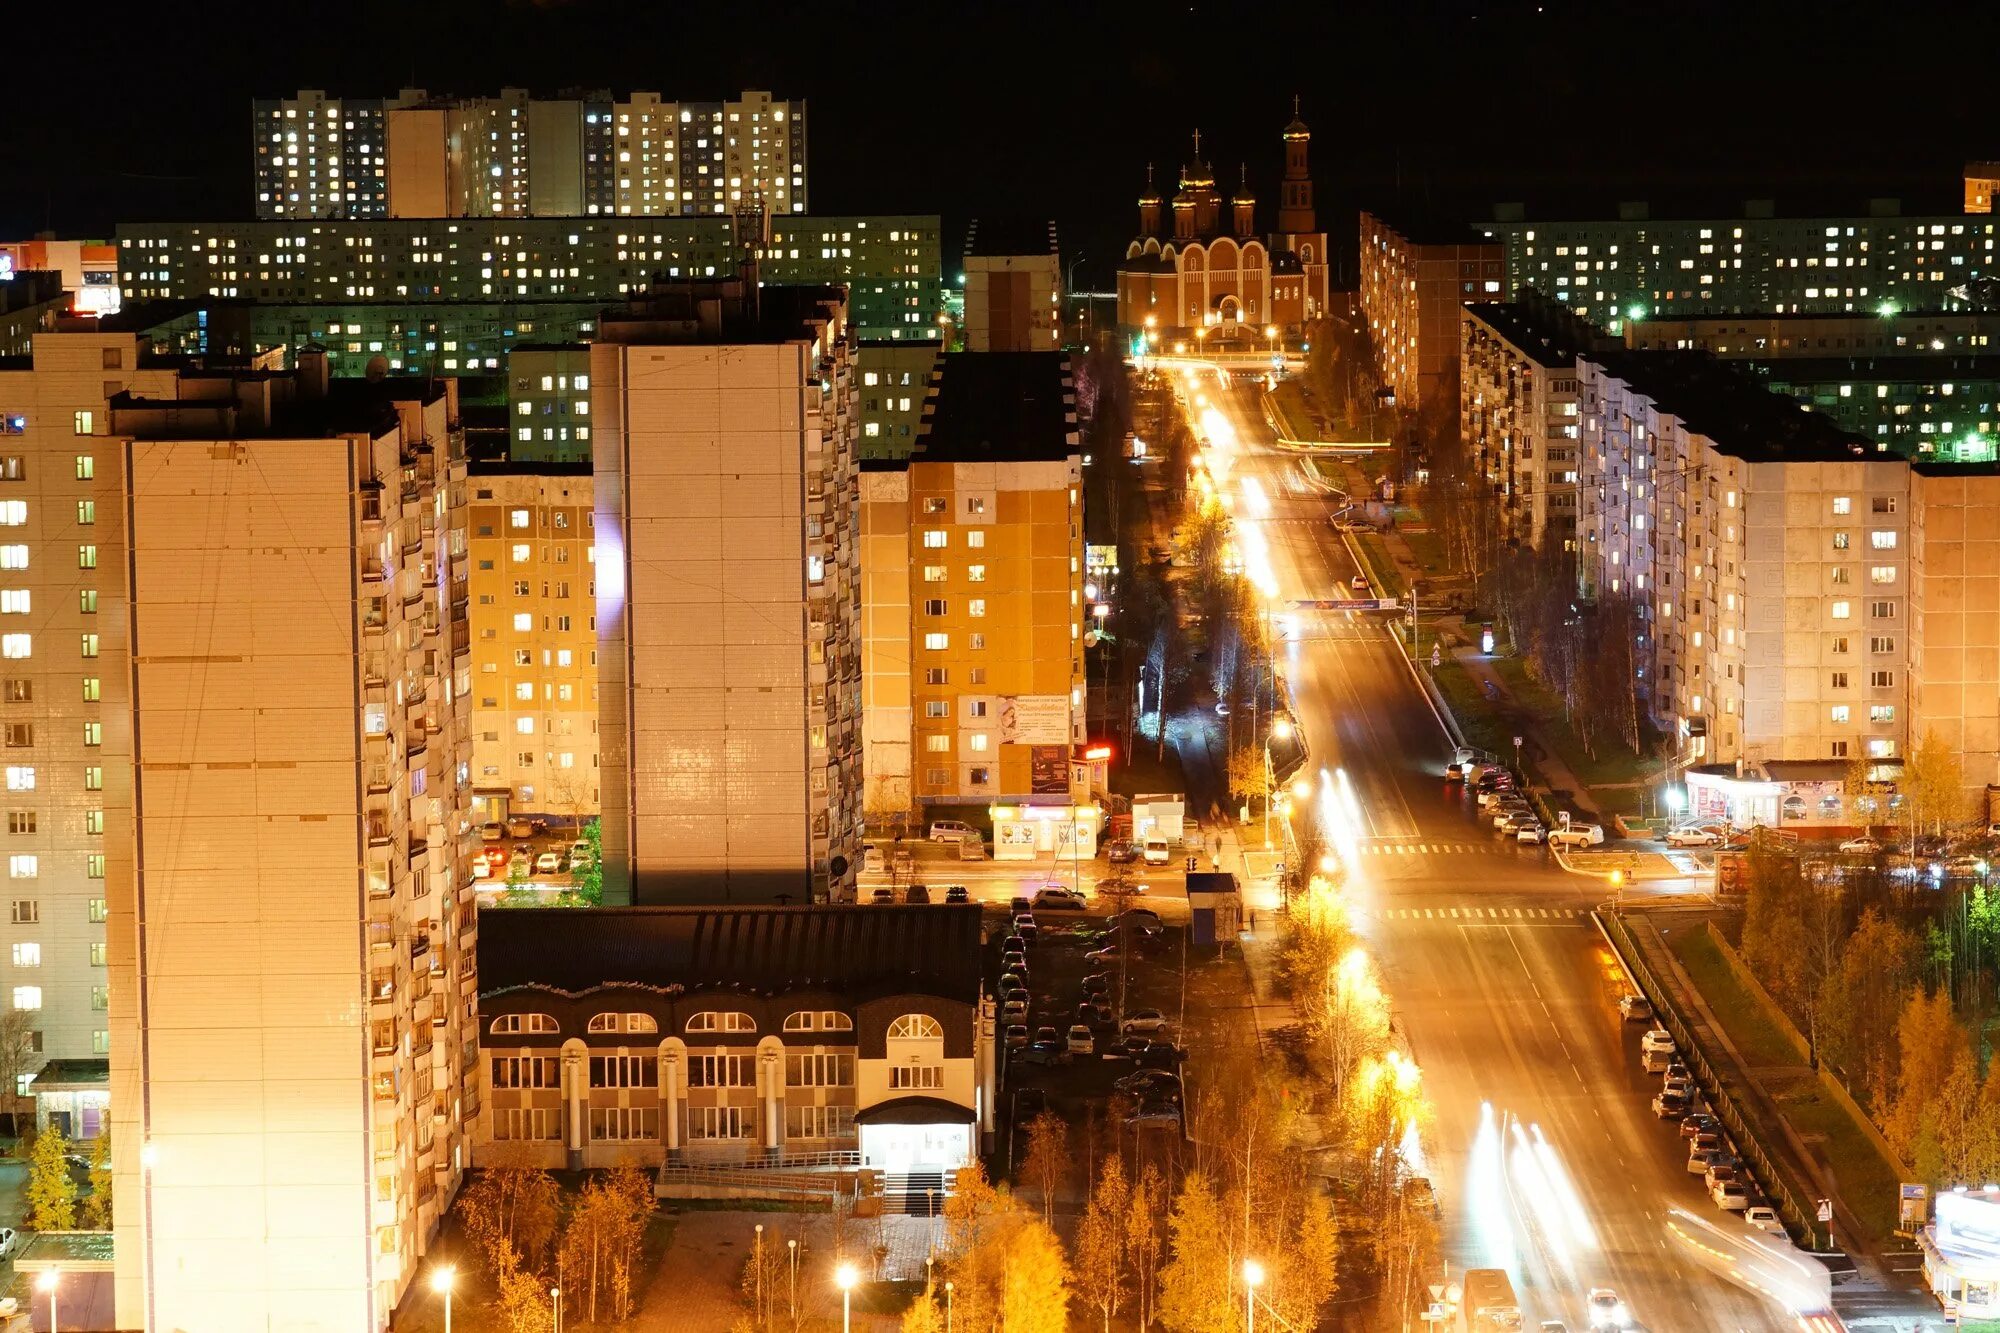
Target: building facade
(299,708)
(399,287)
(1519,418)
(972,578)
(895,378)
(533,616)
(710,1036)
(1412,284)
(517,155)
(1013,287)
(1209,274)
(728,594)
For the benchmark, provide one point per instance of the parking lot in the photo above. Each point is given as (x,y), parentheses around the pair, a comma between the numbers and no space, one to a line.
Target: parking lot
(545,854)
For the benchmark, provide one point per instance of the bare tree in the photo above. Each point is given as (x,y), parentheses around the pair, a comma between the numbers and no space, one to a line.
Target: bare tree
(1047,1161)
(18,1058)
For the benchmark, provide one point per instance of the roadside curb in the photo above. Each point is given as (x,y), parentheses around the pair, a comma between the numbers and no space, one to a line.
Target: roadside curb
(1447,723)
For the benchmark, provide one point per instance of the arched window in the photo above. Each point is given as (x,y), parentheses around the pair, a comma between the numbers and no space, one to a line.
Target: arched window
(509,1025)
(818,1020)
(1306,254)
(916,1026)
(623,1023)
(720,1020)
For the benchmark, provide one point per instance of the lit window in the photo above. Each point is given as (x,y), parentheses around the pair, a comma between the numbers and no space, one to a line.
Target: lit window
(977,742)
(937,642)
(13,513)
(14,601)
(1882,574)
(525,725)
(13,557)
(84,422)
(1838,712)
(20,777)
(27,997)
(518,518)
(1882,713)
(935,538)
(27,954)
(1842,610)
(523,621)
(1882,539)
(1843,504)
(23,867)
(16,645)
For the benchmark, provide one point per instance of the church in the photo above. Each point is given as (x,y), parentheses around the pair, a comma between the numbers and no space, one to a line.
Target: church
(1211,275)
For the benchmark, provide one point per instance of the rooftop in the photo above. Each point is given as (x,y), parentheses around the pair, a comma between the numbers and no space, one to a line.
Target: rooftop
(1011,236)
(1887,368)
(1746,420)
(988,407)
(1552,338)
(715,311)
(756,950)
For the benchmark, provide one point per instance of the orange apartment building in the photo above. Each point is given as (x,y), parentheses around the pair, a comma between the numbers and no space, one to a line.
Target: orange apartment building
(1412,285)
(972,594)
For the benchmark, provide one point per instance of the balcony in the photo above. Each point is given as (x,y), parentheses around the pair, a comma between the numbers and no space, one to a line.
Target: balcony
(382,984)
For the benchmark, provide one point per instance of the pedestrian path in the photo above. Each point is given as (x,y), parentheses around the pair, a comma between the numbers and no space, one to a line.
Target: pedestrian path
(1468,913)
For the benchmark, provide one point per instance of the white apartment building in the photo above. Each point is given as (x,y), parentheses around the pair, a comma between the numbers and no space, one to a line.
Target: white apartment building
(1518,417)
(317,156)
(728,594)
(291,917)
(1766,551)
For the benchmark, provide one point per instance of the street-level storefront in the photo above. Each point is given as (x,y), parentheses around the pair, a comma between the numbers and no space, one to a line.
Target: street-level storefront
(74,1096)
(1961,1250)
(1026,832)
(915,1134)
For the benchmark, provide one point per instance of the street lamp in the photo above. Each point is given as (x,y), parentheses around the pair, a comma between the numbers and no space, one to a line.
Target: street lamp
(1253,1278)
(1617,890)
(845,1277)
(793,1246)
(1281,730)
(441,1282)
(47,1282)
(555,1295)
(949,1287)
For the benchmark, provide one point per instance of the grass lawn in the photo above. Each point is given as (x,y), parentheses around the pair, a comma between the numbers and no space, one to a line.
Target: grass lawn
(1867,1182)
(1295,419)
(1613,762)
(1428,549)
(1388,579)
(1482,726)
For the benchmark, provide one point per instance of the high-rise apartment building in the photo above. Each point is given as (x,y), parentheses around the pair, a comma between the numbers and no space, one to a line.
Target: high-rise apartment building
(1412,283)
(412,290)
(1982,182)
(895,376)
(1013,287)
(724,433)
(291,918)
(533,617)
(972,602)
(517,155)
(1518,416)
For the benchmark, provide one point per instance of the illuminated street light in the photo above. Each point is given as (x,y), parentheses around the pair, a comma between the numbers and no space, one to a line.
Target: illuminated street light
(442,1280)
(1302,789)
(1281,730)
(845,1277)
(47,1282)
(1253,1278)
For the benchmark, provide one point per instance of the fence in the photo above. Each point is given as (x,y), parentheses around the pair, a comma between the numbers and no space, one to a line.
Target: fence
(1803,1221)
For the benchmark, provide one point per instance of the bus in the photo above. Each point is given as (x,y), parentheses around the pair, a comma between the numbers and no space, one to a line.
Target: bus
(1487,1303)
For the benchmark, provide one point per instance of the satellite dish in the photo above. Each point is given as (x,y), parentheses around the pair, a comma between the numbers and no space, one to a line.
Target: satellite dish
(837,867)
(378,368)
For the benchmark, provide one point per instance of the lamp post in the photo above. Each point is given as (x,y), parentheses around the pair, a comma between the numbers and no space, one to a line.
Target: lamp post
(555,1295)
(1617,891)
(845,1277)
(1253,1278)
(949,1287)
(1271,337)
(47,1282)
(793,1246)
(441,1283)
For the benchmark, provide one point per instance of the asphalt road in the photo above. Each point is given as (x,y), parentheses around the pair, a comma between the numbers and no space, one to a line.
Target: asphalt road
(1500,982)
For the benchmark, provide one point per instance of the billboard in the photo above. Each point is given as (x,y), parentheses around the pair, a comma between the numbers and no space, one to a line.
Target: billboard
(1034,719)
(1968,1225)
(1048,770)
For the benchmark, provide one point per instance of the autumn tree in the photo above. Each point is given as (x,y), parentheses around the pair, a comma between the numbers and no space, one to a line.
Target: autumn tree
(600,1246)
(1034,1293)
(1197,1287)
(1101,1240)
(1144,1244)
(1929,1043)
(1047,1161)
(1862,999)
(925,1315)
(97,1203)
(51,1190)
(18,1058)
(1933,785)
(510,1204)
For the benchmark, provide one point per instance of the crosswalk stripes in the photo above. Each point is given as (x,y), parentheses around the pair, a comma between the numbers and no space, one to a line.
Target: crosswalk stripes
(1411,848)
(1484,913)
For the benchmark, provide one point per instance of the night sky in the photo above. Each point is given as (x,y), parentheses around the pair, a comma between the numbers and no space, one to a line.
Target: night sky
(1440,108)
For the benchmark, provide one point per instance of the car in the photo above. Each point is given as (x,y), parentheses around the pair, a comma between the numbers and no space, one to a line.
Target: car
(1730,1195)
(8,1237)
(1101,1011)
(1149,1084)
(1967,867)
(1130,1048)
(1765,1218)
(1700,1159)
(1016,963)
(1017,905)
(1058,898)
(1024,926)
(1015,991)
(1669,1107)
(548,863)
(1861,846)
(1014,944)
(1140,921)
(1081,1041)
(953,831)
(1718,1171)
(494,856)
(482,868)
(1045,1053)
(1634,1007)
(1657,1040)
(1103,957)
(1160,1055)
(1692,837)
(1155,850)
(1678,1085)
(492,832)
(1359,583)
(1605,1310)
(1529,833)
(1699,1123)
(1017,1036)
(1144,1020)
(1578,835)
(580,853)
(917,895)
(1122,851)
(1096,983)
(1155,1115)
(1676,1069)
(873,861)
(882,897)
(520,863)
(521,828)
(1013,1009)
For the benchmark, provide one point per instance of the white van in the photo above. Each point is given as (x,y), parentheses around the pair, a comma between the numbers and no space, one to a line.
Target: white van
(1156,850)
(951,830)
(1578,835)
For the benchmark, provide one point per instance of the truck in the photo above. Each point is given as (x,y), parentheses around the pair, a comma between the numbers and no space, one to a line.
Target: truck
(1486,1303)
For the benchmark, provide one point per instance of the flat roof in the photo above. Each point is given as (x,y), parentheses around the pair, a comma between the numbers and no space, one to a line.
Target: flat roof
(997,407)
(1884,367)
(1011,236)
(1744,418)
(932,949)
(1538,336)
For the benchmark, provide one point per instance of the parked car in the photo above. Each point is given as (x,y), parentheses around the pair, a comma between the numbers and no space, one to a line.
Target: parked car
(1024,926)
(1678,1084)
(1730,1195)
(548,863)
(1606,1310)
(1149,1084)
(1578,835)
(1049,1052)
(1017,905)
(1015,962)
(1657,1039)
(1014,944)
(1081,1041)
(1160,1055)
(1103,957)
(917,895)
(1634,1007)
(580,853)
(1096,983)
(521,828)
(1533,833)
(953,831)
(1145,1020)
(1667,1106)
(1141,922)
(492,832)
(1861,846)
(1013,1010)
(1122,851)
(1156,850)
(1131,1048)
(1700,1159)
(957,893)
(521,862)
(8,1237)
(1765,1218)
(1017,1036)
(1155,1115)
(1101,1012)
(1727,1169)
(882,897)
(1691,836)
(1699,1123)
(1057,898)
(482,868)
